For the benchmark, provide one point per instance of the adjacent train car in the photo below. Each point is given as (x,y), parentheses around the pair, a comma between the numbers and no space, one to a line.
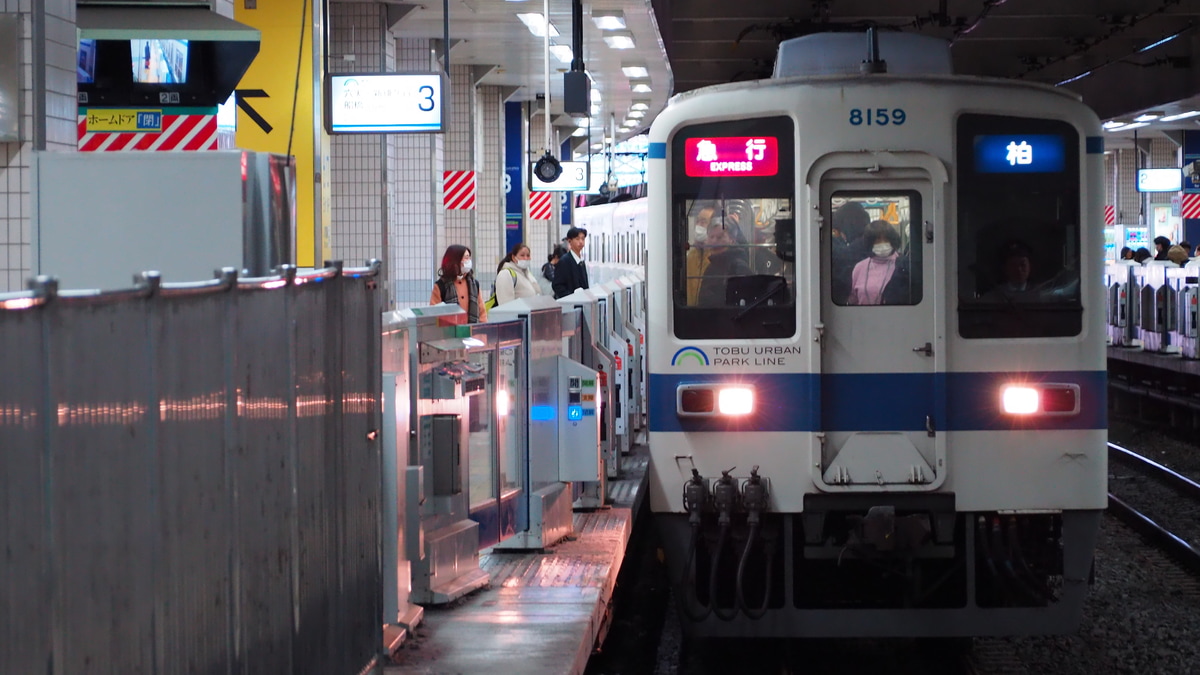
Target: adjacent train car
(875,334)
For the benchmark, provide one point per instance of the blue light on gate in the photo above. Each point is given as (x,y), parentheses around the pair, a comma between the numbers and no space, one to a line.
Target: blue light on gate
(574,412)
(541,413)
(1019,153)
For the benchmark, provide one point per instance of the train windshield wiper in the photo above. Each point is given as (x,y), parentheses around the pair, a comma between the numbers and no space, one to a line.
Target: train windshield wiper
(776,285)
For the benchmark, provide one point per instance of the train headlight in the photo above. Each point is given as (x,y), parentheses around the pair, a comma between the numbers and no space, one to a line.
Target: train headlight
(1040,399)
(712,399)
(1020,400)
(735,401)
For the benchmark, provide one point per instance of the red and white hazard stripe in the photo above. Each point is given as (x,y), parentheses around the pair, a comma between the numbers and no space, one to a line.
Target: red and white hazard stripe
(1191,205)
(458,189)
(1110,214)
(540,206)
(180,132)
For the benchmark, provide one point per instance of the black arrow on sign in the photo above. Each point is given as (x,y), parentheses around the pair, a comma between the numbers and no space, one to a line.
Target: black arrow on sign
(240,95)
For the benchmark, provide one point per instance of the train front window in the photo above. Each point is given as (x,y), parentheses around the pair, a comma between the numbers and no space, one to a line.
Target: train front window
(733,230)
(1018,228)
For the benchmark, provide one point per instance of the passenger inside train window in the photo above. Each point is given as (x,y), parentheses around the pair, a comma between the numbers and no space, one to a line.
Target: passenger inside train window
(847,245)
(882,278)
(725,260)
(697,254)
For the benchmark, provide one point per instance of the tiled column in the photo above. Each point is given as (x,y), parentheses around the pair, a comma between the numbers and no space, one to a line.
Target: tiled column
(489,170)
(362,205)
(415,178)
(47,57)
(460,156)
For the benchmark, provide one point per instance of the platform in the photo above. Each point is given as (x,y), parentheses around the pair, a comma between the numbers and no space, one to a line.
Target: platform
(1173,362)
(542,612)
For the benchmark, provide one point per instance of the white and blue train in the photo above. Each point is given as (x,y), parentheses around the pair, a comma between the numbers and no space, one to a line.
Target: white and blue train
(875,332)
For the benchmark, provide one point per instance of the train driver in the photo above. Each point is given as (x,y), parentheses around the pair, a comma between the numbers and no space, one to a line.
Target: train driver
(1016,267)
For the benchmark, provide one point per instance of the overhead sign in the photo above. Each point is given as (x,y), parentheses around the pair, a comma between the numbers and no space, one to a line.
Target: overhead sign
(574,178)
(1159,180)
(731,156)
(1019,153)
(384,103)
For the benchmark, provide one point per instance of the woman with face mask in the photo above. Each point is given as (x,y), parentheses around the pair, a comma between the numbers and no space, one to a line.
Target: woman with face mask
(514,279)
(882,277)
(456,284)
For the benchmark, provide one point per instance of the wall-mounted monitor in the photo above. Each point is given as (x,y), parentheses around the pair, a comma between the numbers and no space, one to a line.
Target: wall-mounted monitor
(1159,180)
(574,178)
(85,65)
(384,103)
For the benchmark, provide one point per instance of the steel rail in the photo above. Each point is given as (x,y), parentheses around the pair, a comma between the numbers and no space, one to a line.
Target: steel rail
(1181,550)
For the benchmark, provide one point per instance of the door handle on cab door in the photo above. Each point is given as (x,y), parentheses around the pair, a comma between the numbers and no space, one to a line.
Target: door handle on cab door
(927,349)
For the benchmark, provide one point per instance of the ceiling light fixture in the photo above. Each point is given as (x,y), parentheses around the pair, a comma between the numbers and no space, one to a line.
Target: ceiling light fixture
(1113,124)
(608,19)
(536,23)
(562,52)
(581,131)
(1148,116)
(641,87)
(636,114)
(620,40)
(640,105)
(632,70)
(1180,116)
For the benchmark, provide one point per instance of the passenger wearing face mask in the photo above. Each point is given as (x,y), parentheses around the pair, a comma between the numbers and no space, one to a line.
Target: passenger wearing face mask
(514,278)
(456,284)
(881,278)
(696,258)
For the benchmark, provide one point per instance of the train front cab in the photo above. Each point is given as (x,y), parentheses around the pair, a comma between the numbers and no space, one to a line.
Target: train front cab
(931,465)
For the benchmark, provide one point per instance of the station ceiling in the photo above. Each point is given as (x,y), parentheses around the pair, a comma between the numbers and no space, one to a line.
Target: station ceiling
(1125,57)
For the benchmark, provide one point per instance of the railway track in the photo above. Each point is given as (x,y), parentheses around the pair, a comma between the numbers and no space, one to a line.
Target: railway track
(1171,497)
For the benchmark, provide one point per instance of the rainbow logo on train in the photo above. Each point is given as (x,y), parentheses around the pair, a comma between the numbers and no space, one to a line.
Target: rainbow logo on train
(690,354)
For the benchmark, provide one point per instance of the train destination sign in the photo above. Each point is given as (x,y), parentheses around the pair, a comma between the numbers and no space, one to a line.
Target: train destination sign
(731,156)
(384,103)
(1019,153)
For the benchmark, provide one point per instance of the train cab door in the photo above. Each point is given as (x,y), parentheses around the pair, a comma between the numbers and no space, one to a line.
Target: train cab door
(881,320)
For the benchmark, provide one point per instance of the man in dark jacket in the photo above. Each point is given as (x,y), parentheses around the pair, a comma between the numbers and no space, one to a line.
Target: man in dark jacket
(1161,246)
(570,274)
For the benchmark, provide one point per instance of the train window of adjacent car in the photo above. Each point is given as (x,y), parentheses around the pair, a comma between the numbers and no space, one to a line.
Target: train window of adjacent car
(875,253)
(1018,227)
(733,271)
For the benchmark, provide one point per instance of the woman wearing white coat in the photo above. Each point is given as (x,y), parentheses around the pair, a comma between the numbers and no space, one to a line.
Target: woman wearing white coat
(514,279)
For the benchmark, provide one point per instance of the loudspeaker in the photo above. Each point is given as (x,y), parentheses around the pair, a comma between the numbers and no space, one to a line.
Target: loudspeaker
(575,93)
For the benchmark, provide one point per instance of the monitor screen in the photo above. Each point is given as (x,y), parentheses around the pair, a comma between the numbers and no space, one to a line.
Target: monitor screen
(1019,153)
(85,63)
(159,61)
(731,156)
(1159,180)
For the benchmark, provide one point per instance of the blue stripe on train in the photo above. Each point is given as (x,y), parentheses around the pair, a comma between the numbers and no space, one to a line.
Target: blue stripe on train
(879,402)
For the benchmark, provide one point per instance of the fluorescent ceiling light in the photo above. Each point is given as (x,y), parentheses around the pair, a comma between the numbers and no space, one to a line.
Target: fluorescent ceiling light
(641,88)
(1180,116)
(597,146)
(595,109)
(1113,124)
(562,52)
(536,23)
(642,105)
(582,121)
(1135,125)
(608,19)
(635,71)
(620,40)
(1073,79)
(580,132)
(595,95)
(636,114)
(1148,117)
(1163,41)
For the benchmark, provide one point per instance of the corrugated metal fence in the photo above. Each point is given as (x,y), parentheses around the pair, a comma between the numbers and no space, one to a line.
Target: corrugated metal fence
(189,477)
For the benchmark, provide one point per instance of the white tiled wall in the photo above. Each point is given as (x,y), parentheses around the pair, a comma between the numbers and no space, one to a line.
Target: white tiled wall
(358,42)
(415,177)
(58,17)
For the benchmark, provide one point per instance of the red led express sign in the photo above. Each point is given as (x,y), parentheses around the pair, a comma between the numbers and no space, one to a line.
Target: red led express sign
(731,156)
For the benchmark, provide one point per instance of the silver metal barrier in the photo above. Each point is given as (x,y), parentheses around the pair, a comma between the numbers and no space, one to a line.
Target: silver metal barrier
(191,476)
